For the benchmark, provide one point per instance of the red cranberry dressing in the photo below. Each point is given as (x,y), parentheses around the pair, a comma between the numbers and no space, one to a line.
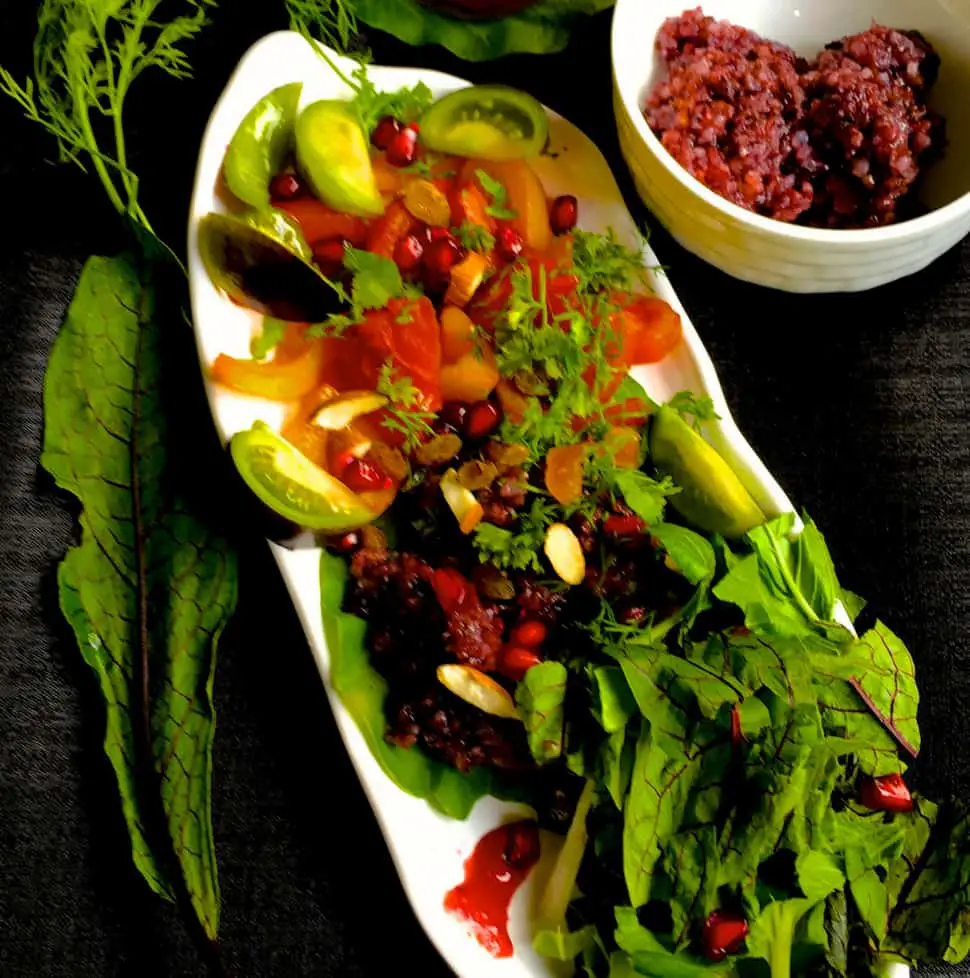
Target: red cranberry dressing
(493,872)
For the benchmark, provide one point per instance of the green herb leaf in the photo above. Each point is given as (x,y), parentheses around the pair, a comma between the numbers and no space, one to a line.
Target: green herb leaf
(692,554)
(404,413)
(498,194)
(787,587)
(645,496)
(268,338)
(86,56)
(602,263)
(474,237)
(149,589)
(540,696)
(516,550)
(697,410)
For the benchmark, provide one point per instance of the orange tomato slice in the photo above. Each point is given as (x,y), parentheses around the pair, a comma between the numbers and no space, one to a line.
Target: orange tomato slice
(564,473)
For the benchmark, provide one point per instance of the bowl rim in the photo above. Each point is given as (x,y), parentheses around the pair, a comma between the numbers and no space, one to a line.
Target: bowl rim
(912,228)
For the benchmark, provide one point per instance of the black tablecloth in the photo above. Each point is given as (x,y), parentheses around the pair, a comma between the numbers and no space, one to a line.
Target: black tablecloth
(858,404)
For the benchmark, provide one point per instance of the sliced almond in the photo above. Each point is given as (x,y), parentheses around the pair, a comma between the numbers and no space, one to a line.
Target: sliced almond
(338,412)
(478,689)
(565,553)
(461,501)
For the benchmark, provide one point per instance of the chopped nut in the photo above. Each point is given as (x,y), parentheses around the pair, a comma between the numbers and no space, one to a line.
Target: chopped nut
(478,689)
(565,553)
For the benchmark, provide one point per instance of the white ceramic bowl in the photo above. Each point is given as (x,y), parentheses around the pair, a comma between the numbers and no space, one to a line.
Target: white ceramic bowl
(772,253)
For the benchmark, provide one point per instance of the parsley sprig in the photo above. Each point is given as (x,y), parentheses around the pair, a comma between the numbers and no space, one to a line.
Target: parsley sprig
(404,413)
(375,280)
(517,549)
(474,237)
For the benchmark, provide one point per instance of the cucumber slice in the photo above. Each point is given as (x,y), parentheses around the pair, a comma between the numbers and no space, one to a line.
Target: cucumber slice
(712,497)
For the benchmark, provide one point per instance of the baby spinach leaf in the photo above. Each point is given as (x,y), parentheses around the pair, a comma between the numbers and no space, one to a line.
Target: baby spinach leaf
(362,690)
(931,885)
(614,703)
(650,957)
(150,587)
(787,587)
(887,684)
(692,553)
(540,696)
(616,765)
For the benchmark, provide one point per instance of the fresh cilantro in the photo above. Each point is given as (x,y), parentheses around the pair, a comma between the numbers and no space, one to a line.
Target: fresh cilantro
(474,237)
(267,339)
(516,549)
(696,410)
(404,413)
(375,280)
(498,207)
(602,263)
(406,104)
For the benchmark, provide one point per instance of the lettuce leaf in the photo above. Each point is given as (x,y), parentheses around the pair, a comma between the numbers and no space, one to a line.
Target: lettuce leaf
(540,29)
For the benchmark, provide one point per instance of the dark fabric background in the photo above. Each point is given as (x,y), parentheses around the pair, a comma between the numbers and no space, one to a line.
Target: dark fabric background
(858,404)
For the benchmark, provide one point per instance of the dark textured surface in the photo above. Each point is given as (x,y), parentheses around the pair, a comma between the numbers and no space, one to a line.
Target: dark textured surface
(859,405)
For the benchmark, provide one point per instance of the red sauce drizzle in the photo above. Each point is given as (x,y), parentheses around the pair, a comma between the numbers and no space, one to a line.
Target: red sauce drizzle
(493,872)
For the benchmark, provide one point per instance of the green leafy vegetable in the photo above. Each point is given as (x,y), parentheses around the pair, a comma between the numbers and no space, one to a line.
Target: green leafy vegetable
(601,262)
(691,553)
(404,412)
(540,696)
(268,338)
(696,409)
(497,207)
(150,587)
(474,237)
(645,496)
(516,550)
(86,57)
(538,29)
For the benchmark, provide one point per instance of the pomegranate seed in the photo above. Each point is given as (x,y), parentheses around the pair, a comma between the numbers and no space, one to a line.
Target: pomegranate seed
(886,794)
(522,847)
(623,525)
(632,614)
(517,661)
(408,252)
(285,186)
(364,476)
(329,254)
(346,543)
(403,147)
(453,414)
(451,589)
(724,934)
(509,244)
(441,256)
(430,234)
(563,214)
(483,418)
(529,634)
(385,131)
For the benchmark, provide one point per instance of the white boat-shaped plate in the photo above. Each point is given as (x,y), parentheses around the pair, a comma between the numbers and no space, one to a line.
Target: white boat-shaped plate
(428,849)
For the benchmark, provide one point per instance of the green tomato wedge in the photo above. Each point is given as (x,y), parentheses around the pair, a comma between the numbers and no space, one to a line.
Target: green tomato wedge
(712,496)
(260,144)
(331,150)
(261,260)
(293,486)
(487,122)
